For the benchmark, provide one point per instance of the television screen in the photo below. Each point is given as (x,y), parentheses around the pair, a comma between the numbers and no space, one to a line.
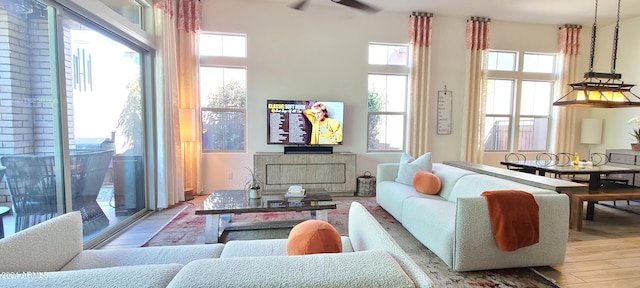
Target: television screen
(304,122)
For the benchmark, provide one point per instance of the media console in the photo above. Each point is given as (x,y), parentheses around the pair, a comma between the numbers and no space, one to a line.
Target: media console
(335,172)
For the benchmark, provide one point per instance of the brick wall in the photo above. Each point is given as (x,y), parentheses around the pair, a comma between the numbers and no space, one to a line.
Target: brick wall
(26,87)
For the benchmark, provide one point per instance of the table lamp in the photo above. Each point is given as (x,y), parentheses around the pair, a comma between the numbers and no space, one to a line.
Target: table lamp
(591,132)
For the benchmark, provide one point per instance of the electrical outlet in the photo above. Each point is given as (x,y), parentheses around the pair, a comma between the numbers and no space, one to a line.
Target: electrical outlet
(230,176)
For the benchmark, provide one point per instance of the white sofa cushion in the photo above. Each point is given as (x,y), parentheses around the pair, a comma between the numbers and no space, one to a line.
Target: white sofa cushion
(358,269)
(476,248)
(45,253)
(266,247)
(448,175)
(410,166)
(127,276)
(433,224)
(395,194)
(366,233)
(474,185)
(179,254)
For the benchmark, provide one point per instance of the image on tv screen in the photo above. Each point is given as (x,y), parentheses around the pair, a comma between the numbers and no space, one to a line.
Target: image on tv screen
(304,122)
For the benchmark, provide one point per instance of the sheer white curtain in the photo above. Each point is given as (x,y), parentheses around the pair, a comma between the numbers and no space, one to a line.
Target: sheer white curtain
(420,44)
(477,44)
(569,46)
(170,169)
(189,12)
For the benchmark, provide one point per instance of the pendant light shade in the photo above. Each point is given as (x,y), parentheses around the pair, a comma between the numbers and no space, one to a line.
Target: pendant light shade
(602,90)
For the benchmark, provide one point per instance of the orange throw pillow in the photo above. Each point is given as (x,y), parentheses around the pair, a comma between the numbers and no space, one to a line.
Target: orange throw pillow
(313,236)
(426,182)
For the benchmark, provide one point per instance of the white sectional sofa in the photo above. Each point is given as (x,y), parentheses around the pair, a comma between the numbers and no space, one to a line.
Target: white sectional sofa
(50,255)
(455,224)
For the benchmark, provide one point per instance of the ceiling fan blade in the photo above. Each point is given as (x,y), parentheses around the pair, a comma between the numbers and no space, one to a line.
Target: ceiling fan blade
(300,5)
(358,5)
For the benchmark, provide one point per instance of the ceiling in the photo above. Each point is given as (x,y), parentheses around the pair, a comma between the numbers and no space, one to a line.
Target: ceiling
(555,12)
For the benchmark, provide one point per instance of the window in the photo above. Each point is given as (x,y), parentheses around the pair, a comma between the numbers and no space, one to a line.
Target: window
(225,45)
(387,99)
(223,92)
(518,106)
(73,131)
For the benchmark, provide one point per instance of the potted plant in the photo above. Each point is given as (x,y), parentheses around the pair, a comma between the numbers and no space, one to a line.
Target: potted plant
(636,133)
(253,184)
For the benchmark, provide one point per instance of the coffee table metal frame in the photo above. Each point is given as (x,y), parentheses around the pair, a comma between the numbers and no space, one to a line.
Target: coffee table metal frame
(225,202)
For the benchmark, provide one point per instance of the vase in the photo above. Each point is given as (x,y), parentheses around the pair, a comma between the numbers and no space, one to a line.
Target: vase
(635,146)
(254,193)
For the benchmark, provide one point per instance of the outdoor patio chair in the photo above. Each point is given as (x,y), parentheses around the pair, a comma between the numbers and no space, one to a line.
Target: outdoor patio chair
(32,186)
(88,170)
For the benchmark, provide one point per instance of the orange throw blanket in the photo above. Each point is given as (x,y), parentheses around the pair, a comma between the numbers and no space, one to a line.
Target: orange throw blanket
(514,218)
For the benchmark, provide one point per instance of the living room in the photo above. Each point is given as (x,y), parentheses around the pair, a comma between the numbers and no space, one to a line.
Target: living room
(295,55)
(321,53)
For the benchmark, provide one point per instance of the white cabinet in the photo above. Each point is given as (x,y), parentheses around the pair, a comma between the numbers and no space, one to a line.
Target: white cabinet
(335,173)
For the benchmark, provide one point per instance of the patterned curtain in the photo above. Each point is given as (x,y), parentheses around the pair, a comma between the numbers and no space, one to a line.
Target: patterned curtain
(189,12)
(569,46)
(477,44)
(420,45)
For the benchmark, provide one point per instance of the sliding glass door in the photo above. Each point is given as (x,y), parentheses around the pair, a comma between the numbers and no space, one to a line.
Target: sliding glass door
(72,124)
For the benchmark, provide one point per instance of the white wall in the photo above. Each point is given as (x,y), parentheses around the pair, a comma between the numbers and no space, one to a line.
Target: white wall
(615,134)
(322,54)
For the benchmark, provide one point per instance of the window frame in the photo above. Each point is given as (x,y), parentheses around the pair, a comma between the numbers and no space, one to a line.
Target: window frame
(233,62)
(389,70)
(514,116)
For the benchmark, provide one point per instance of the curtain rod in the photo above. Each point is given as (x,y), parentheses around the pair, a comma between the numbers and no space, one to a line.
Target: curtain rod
(481,19)
(423,14)
(570,26)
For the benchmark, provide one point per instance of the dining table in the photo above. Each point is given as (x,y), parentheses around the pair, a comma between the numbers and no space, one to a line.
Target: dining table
(595,174)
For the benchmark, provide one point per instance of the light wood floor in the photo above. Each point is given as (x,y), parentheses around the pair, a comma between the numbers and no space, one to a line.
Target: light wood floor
(606,253)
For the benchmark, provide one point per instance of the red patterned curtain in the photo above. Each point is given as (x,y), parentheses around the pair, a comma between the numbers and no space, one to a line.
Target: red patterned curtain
(478,33)
(420,42)
(420,29)
(189,12)
(477,44)
(569,47)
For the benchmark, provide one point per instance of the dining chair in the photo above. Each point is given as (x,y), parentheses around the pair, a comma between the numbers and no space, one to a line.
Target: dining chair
(564,159)
(546,159)
(512,156)
(598,159)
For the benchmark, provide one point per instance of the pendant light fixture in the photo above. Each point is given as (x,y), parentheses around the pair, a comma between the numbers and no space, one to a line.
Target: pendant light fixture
(601,90)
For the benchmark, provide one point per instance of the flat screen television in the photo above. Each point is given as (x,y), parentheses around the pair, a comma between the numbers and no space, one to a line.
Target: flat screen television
(304,122)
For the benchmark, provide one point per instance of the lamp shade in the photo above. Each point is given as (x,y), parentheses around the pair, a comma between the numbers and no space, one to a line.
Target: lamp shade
(187,124)
(591,131)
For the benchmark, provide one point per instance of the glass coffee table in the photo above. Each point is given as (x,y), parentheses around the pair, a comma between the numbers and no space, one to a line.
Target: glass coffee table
(227,202)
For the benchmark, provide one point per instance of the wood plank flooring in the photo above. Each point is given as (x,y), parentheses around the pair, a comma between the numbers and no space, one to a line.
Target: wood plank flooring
(606,253)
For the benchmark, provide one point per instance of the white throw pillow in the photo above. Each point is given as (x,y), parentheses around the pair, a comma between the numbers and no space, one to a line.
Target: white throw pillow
(409,167)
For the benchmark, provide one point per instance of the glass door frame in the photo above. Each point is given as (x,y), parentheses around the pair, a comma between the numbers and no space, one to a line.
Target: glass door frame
(140,41)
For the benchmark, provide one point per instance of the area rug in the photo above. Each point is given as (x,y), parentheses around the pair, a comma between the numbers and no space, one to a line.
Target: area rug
(187,228)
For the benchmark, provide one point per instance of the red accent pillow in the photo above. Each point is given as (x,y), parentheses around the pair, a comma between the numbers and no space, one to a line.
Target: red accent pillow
(426,182)
(313,236)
